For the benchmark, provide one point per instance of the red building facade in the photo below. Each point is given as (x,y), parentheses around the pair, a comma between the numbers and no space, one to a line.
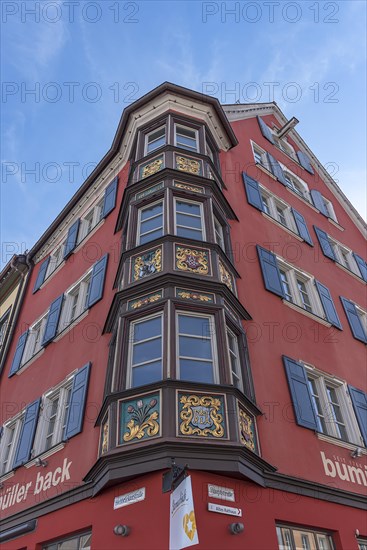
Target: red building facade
(200,299)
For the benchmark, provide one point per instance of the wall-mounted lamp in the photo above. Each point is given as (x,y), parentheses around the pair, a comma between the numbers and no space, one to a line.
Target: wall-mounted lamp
(236,528)
(357,453)
(122,530)
(39,462)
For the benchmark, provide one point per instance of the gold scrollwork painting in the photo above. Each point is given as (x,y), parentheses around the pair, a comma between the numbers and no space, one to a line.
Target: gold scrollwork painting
(140,418)
(188,165)
(225,276)
(194,261)
(247,430)
(147,264)
(151,168)
(201,415)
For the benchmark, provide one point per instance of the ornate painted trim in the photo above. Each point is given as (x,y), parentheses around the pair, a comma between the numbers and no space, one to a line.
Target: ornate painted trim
(194,295)
(149,191)
(201,415)
(147,264)
(151,167)
(225,276)
(139,418)
(187,187)
(247,428)
(145,300)
(105,434)
(192,260)
(189,164)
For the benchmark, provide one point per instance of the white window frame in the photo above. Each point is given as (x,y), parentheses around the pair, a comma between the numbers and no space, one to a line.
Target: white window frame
(322,380)
(339,249)
(129,377)
(256,149)
(330,209)
(146,152)
(83,538)
(275,202)
(56,259)
(292,275)
(297,185)
(16,423)
(138,233)
(34,339)
(219,233)
(62,392)
(213,341)
(362,314)
(237,373)
(283,145)
(90,219)
(4,323)
(81,288)
(202,219)
(178,125)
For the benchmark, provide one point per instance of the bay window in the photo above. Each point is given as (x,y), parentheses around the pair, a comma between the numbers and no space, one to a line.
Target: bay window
(155,139)
(187,138)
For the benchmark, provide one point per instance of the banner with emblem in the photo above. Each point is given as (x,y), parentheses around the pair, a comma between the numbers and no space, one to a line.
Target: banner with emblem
(183,531)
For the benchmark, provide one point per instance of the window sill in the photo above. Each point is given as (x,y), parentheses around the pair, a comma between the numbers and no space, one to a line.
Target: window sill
(7,476)
(271,219)
(265,170)
(306,313)
(305,201)
(335,224)
(90,234)
(71,326)
(46,454)
(341,443)
(52,275)
(349,272)
(30,361)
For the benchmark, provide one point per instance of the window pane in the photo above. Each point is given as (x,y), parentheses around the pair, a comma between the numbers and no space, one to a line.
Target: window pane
(196,371)
(152,349)
(199,326)
(195,347)
(147,374)
(156,139)
(150,236)
(151,224)
(189,233)
(147,329)
(71,544)
(151,211)
(188,208)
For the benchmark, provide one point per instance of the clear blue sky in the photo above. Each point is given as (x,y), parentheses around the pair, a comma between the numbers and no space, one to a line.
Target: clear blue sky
(86,61)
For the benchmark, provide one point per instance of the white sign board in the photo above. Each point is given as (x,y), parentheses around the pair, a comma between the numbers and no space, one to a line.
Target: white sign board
(223,493)
(228,510)
(129,498)
(182,528)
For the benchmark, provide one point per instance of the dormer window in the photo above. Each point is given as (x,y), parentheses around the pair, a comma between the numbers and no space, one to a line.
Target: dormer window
(185,137)
(155,139)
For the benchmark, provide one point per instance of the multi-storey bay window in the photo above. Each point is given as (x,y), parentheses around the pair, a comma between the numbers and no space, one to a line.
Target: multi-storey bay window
(150,222)
(76,542)
(326,404)
(297,538)
(196,356)
(155,139)
(189,219)
(187,138)
(145,351)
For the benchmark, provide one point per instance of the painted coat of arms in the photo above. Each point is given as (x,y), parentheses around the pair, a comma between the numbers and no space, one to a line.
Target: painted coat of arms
(195,261)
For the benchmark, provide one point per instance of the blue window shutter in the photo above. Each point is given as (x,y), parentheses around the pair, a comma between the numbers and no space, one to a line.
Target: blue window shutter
(71,238)
(270,271)
(325,243)
(305,161)
(361,265)
(252,192)
(328,305)
(302,227)
(74,421)
(27,432)
(41,274)
(318,202)
(300,393)
(97,281)
(52,320)
(359,400)
(354,320)
(19,350)
(109,202)
(277,169)
(265,130)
